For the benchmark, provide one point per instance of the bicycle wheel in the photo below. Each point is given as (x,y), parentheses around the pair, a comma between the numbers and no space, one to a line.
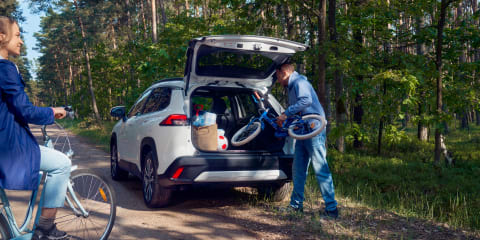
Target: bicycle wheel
(306,128)
(246,133)
(97,197)
(4,228)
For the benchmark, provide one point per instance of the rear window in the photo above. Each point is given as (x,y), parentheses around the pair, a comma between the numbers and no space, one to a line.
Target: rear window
(219,62)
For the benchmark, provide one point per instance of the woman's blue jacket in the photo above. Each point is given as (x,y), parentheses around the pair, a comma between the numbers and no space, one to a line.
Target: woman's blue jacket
(19,151)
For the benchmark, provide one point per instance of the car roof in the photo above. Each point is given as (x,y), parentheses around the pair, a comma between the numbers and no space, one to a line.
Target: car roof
(175,82)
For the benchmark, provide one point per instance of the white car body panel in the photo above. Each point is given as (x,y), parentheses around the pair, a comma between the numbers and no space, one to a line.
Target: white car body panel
(173,142)
(256,44)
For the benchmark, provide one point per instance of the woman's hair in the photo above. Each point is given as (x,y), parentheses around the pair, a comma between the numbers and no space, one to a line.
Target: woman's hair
(6,24)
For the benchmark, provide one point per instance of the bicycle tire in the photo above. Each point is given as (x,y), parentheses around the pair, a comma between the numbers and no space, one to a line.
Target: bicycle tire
(246,134)
(98,198)
(291,128)
(4,228)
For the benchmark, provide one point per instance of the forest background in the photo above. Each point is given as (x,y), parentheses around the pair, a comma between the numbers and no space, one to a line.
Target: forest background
(399,80)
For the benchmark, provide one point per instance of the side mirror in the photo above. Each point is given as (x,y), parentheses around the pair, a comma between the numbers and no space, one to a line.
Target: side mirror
(118,111)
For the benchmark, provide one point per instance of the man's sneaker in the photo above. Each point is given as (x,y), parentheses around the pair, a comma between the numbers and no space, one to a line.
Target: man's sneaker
(332,213)
(291,209)
(51,234)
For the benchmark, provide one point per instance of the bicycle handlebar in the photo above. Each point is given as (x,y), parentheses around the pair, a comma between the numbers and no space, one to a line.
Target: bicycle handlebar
(70,114)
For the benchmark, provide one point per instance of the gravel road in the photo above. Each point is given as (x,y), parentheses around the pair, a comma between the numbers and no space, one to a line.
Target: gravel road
(197,214)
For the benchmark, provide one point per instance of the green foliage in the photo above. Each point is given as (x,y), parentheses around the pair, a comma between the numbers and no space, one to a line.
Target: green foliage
(403,180)
(377,56)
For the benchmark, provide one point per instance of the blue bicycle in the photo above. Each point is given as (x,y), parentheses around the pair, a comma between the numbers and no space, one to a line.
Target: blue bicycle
(90,205)
(297,127)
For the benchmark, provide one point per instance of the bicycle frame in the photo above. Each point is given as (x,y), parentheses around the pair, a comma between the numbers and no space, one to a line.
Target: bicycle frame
(72,201)
(14,229)
(280,131)
(17,231)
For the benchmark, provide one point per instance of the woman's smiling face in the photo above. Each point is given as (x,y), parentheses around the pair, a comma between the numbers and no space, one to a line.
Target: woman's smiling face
(13,47)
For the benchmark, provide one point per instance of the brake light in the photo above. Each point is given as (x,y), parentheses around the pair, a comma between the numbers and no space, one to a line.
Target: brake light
(175,120)
(177,173)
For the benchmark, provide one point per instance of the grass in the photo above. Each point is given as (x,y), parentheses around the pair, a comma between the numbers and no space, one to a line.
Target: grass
(100,135)
(402,179)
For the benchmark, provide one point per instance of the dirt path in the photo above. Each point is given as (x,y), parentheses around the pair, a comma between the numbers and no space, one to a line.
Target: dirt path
(236,214)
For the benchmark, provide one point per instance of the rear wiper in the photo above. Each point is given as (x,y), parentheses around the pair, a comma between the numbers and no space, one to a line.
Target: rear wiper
(213,83)
(241,85)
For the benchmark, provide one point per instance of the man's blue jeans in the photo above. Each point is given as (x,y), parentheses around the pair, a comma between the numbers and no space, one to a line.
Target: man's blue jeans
(306,151)
(57,167)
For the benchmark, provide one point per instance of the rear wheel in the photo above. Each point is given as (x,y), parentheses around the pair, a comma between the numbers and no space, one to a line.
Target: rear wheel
(154,194)
(275,192)
(306,127)
(246,133)
(98,199)
(115,170)
(4,228)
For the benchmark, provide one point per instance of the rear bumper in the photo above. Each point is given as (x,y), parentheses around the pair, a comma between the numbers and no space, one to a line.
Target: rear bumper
(230,169)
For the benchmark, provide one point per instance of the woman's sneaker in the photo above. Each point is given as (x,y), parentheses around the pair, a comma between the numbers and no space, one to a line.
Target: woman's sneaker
(51,234)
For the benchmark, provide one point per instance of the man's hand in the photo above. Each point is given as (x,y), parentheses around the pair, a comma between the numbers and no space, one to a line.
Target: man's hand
(281,119)
(59,112)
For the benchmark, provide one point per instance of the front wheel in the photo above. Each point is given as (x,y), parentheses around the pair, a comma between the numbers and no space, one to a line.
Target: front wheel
(98,200)
(307,127)
(246,133)
(116,172)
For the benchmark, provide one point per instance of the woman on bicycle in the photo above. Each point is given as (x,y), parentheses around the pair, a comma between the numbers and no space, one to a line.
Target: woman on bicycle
(21,158)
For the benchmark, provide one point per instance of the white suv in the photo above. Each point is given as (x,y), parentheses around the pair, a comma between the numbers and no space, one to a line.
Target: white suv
(154,140)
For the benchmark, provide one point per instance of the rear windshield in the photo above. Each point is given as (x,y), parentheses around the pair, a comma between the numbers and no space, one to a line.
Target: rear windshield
(219,62)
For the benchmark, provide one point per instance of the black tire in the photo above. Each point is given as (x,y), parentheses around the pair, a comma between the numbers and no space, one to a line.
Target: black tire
(98,198)
(116,172)
(246,134)
(274,192)
(154,194)
(4,228)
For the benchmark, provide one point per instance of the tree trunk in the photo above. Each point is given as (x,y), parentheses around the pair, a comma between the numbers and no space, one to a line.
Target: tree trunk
(154,21)
(438,62)
(358,108)
(89,71)
(339,105)
(321,55)
(187,7)
(205,9)
(197,11)
(164,15)
(61,77)
(71,78)
(477,117)
(144,21)
(114,40)
(476,57)
(422,131)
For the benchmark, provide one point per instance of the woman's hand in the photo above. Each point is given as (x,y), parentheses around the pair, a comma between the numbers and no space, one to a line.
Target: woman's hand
(59,112)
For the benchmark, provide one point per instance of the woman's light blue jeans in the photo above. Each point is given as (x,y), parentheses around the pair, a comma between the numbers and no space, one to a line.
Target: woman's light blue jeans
(306,151)
(57,167)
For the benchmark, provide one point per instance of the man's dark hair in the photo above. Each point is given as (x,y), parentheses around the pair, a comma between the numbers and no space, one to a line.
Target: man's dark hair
(288,61)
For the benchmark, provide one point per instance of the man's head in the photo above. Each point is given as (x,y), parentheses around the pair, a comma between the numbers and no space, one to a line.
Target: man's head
(283,73)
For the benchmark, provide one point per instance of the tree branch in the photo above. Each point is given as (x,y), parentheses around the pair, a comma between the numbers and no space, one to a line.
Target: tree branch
(308,8)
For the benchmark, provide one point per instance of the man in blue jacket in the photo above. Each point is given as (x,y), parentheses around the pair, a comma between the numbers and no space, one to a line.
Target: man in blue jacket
(302,100)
